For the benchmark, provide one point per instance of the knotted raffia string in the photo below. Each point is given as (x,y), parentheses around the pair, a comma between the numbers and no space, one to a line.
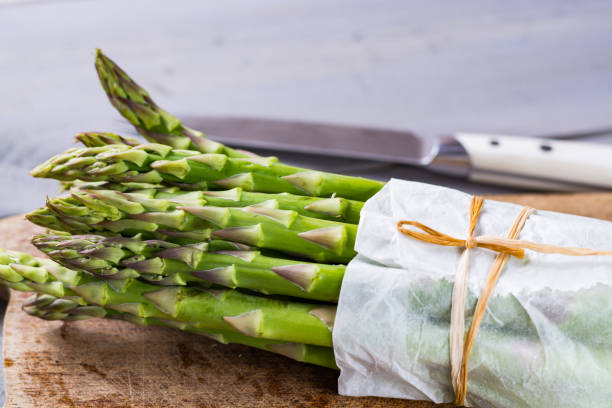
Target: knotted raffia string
(506,247)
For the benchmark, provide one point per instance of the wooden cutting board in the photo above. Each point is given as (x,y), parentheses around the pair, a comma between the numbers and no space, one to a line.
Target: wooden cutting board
(100,363)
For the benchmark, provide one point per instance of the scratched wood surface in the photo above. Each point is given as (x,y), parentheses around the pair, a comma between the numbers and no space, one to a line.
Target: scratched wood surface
(98,363)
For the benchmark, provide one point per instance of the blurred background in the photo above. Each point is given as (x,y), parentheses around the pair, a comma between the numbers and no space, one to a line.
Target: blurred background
(521,67)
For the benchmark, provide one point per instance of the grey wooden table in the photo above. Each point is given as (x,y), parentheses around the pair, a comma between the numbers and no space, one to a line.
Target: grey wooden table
(519,67)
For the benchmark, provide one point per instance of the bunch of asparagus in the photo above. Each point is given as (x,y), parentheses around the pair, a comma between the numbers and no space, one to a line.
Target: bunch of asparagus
(185,232)
(182,231)
(301,331)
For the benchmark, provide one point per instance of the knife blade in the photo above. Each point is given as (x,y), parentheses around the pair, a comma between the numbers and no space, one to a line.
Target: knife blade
(539,163)
(305,137)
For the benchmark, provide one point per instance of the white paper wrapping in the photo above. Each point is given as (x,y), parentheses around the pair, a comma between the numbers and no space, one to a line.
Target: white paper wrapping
(546,339)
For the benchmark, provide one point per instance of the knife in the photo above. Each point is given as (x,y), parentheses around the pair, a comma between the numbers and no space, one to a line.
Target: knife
(528,162)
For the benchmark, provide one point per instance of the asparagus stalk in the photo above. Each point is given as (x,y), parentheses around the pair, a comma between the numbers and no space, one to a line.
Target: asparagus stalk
(335,209)
(214,309)
(155,163)
(168,264)
(154,123)
(183,218)
(126,187)
(429,298)
(48,307)
(158,126)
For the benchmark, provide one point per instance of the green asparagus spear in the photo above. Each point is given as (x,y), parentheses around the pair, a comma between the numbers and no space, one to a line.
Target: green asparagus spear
(216,309)
(155,163)
(48,307)
(168,264)
(183,218)
(154,123)
(335,209)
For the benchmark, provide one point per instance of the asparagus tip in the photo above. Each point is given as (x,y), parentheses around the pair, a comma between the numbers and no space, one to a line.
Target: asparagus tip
(245,255)
(232,194)
(328,237)
(244,181)
(247,235)
(333,207)
(292,350)
(165,299)
(284,217)
(177,168)
(216,215)
(152,265)
(301,275)
(327,314)
(135,309)
(307,181)
(246,323)
(110,254)
(218,294)
(223,275)
(187,254)
(93,292)
(213,160)
(33,273)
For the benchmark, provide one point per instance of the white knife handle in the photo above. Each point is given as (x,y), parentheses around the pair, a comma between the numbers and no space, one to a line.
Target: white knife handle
(537,163)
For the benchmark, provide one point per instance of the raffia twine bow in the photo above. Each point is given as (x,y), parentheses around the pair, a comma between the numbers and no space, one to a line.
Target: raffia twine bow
(505,247)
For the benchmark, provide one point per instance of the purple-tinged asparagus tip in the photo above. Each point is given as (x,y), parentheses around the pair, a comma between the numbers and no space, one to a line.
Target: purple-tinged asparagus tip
(216,215)
(307,181)
(224,275)
(153,265)
(60,305)
(218,294)
(333,207)
(93,292)
(328,237)
(172,219)
(301,275)
(247,256)
(244,181)
(135,309)
(284,217)
(212,160)
(38,300)
(110,254)
(247,235)
(294,351)
(190,255)
(165,299)
(177,168)
(327,314)
(233,194)
(248,323)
